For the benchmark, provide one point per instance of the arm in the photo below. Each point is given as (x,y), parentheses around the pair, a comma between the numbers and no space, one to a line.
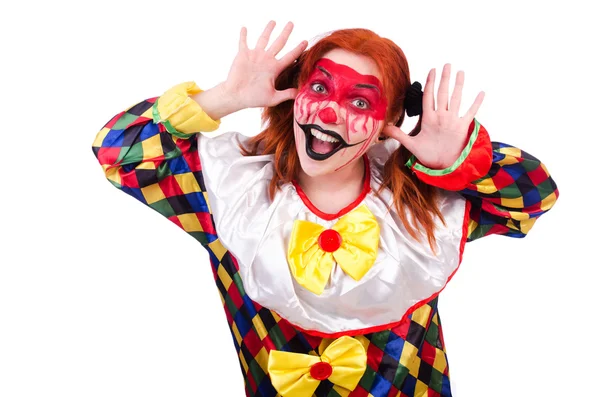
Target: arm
(508,189)
(514,193)
(150,152)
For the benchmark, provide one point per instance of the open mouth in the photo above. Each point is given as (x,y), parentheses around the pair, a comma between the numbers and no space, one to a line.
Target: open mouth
(322,144)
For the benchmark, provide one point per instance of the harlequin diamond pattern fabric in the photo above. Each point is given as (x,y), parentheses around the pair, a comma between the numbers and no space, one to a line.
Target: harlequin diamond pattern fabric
(516,191)
(163,171)
(409,358)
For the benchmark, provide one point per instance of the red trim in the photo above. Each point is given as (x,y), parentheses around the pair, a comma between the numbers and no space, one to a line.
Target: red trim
(329,217)
(417,305)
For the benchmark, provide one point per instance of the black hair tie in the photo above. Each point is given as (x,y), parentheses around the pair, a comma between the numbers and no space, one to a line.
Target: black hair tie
(413,102)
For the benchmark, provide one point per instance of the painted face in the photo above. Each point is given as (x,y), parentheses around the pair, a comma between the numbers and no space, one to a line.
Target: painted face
(339,112)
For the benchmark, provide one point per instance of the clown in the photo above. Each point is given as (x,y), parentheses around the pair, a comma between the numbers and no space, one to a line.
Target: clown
(332,232)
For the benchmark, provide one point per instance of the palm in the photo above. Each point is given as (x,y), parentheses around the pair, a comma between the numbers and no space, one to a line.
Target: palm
(253,72)
(253,77)
(443,133)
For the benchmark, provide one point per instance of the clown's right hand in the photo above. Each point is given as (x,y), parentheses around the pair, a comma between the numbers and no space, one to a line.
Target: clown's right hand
(251,79)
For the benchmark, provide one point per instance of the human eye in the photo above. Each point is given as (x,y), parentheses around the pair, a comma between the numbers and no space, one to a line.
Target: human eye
(318,88)
(360,103)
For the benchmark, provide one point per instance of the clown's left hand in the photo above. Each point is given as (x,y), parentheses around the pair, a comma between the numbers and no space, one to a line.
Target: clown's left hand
(444,133)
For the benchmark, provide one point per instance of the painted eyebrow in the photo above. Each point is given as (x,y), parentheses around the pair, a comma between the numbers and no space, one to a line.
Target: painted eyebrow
(322,69)
(370,86)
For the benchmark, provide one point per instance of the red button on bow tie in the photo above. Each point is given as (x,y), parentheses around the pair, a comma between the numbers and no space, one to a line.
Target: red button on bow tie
(321,371)
(330,240)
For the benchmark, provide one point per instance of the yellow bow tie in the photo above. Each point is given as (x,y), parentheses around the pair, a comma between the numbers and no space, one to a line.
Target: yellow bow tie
(352,242)
(343,363)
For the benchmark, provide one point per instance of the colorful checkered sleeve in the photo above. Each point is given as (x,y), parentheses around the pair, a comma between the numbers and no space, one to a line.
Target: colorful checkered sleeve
(162,170)
(511,196)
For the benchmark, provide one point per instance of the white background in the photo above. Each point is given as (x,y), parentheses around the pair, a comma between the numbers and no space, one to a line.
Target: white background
(100,296)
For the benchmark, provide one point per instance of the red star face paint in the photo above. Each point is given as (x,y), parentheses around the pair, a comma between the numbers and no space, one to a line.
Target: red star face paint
(338,112)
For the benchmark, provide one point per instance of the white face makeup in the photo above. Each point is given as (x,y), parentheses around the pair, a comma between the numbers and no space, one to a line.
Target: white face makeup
(339,112)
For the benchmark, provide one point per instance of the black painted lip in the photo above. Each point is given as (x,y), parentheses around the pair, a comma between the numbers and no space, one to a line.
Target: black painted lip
(308,140)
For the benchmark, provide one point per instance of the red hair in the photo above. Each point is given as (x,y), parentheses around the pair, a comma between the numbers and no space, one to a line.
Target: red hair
(412,198)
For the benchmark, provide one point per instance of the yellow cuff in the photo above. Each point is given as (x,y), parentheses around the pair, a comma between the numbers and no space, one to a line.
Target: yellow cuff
(179,112)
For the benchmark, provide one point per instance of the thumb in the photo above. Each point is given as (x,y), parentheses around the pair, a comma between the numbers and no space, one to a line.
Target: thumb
(285,95)
(396,133)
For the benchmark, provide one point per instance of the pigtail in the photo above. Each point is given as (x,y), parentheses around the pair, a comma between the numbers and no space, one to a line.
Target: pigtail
(411,195)
(277,137)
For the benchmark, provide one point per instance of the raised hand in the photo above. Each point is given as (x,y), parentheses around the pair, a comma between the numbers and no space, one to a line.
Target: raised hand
(444,134)
(252,75)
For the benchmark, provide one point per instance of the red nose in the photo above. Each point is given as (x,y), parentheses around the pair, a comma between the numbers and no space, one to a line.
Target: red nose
(328,115)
